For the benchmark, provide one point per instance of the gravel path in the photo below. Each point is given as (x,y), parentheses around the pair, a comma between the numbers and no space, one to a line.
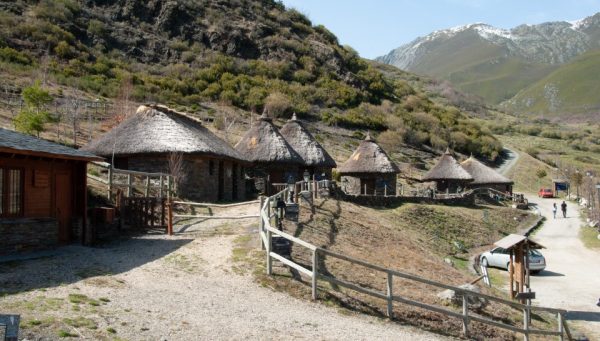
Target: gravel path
(177,288)
(511,159)
(571,280)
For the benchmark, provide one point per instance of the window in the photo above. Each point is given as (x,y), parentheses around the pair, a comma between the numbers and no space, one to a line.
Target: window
(11,192)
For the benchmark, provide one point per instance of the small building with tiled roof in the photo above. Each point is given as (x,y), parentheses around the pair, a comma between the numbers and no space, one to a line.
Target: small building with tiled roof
(369,171)
(43,196)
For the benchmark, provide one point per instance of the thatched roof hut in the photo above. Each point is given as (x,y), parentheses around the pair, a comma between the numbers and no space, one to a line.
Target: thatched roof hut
(482,174)
(447,168)
(156,129)
(302,141)
(369,157)
(263,143)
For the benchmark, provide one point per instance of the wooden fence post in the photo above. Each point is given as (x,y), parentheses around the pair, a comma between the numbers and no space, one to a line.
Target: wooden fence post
(560,327)
(526,323)
(390,295)
(315,273)
(110,182)
(261,222)
(129,184)
(170,217)
(465,311)
(269,259)
(147,191)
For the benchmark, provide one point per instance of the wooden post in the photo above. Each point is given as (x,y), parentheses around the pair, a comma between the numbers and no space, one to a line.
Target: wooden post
(152,206)
(129,183)
(561,329)
(526,323)
(110,182)
(315,273)
(169,189)
(365,189)
(160,189)
(147,186)
(465,311)
(269,259)
(385,190)
(390,293)
(162,212)
(261,222)
(170,218)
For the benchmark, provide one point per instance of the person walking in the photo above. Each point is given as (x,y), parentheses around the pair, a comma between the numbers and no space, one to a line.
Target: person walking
(563,206)
(554,209)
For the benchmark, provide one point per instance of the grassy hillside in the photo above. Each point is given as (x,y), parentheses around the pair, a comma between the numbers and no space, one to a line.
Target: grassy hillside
(571,90)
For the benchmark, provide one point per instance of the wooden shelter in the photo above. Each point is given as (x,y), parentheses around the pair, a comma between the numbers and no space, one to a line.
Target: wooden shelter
(43,194)
(210,169)
(272,158)
(485,177)
(448,175)
(369,171)
(315,158)
(519,247)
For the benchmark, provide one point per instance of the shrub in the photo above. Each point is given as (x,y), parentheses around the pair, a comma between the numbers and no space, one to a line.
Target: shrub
(63,50)
(11,55)
(277,104)
(551,134)
(391,140)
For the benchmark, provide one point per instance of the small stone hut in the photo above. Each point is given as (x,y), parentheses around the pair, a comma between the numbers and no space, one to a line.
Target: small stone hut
(485,177)
(211,169)
(315,158)
(448,175)
(43,196)
(369,171)
(272,159)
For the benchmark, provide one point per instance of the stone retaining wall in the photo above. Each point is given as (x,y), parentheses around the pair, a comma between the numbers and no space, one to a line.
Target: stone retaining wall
(27,234)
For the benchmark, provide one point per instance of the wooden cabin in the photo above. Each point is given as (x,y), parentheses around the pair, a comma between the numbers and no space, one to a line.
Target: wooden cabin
(485,177)
(210,169)
(43,197)
(272,159)
(369,171)
(315,158)
(448,175)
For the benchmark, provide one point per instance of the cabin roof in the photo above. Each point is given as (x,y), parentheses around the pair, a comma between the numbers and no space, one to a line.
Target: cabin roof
(483,174)
(369,157)
(447,168)
(303,142)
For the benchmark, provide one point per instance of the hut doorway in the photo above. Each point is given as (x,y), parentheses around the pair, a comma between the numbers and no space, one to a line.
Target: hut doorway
(221,182)
(63,200)
(367,186)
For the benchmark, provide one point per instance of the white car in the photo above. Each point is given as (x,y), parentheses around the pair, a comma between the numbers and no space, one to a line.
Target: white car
(500,258)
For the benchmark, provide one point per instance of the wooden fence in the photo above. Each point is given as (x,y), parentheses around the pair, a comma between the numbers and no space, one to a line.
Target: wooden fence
(158,185)
(143,212)
(267,231)
(209,206)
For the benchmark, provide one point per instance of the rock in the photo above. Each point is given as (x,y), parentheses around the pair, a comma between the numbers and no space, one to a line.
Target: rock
(455,298)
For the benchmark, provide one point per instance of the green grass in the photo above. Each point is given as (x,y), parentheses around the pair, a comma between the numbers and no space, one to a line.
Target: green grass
(81,322)
(63,333)
(589,237)
(111,330)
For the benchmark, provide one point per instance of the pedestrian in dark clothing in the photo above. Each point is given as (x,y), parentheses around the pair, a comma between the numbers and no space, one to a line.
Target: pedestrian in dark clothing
(563,206)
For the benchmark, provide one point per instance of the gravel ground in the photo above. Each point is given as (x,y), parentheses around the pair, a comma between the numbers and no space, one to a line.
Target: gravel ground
(571,279)
(157,287)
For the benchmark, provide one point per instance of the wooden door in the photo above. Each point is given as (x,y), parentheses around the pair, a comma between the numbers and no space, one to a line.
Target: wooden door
(63,198)
(221,181)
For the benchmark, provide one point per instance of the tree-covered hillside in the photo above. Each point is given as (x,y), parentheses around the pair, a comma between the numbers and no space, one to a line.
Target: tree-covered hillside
(251,54)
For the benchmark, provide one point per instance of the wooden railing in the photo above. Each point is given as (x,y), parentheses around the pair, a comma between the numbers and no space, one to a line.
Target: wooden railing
(267,231)
(159,185)
(209,207)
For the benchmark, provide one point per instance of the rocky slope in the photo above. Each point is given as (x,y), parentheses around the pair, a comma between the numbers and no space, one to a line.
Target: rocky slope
(497,63)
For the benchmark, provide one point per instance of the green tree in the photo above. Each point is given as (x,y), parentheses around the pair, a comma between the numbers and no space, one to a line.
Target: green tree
(32,119)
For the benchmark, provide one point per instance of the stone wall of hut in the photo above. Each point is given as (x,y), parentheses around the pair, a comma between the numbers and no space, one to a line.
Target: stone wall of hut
(373,184)
(203,177)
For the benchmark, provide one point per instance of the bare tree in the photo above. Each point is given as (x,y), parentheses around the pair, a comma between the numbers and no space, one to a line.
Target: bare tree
(177,169)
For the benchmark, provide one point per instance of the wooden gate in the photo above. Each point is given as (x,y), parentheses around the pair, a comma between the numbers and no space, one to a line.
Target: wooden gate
(143,212)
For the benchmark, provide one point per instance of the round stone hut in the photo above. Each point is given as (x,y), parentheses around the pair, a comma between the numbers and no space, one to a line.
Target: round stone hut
(272,159)
(369,171)
(315,158)
(485,177)
(448,175)
(210,169)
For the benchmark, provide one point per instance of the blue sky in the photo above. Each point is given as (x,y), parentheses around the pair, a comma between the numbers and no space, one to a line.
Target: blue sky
(374,27)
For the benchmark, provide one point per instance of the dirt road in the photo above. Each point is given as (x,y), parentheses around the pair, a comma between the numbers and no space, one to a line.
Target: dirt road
(511,159)
(571,280)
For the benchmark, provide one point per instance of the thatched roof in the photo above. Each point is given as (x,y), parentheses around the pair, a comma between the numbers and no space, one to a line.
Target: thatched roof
(158,129)
(447,168)
(299,138)
(369,157)
(482,173)
(263,143)
(17,143)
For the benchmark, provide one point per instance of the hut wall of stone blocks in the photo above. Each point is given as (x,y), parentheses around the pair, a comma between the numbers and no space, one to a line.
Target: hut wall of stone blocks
(369,184)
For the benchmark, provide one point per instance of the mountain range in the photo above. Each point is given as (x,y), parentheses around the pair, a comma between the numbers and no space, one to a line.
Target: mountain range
(538,70)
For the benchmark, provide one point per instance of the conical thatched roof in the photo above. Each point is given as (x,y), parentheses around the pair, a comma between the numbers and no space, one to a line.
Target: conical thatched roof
(482,173)
(447,168)
(158,129)
(369,157)
(299,138)
(263,143)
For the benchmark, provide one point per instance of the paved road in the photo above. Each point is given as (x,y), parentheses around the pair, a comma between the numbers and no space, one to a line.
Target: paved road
(572,278)
(511,159)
